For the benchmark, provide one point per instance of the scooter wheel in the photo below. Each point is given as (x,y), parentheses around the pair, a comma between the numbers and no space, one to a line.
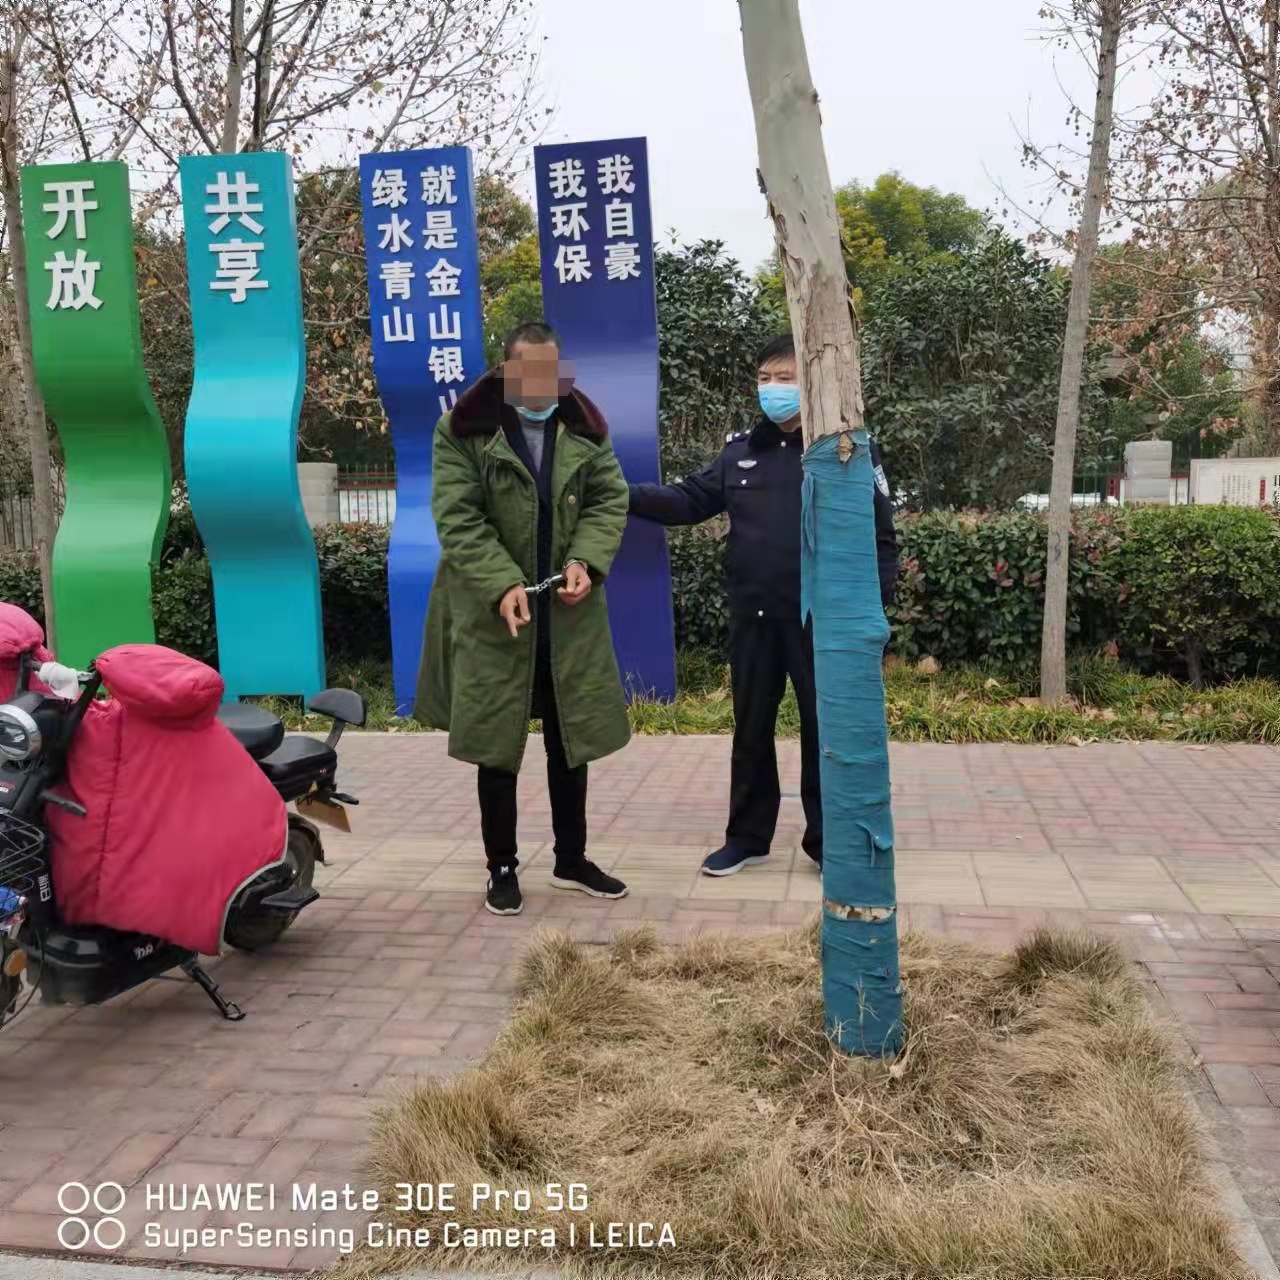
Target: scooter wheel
(10,987)
(250,929)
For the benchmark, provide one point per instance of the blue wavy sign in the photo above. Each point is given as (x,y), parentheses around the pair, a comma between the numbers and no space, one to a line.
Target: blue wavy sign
(595,234)
(428,346)
(242,421)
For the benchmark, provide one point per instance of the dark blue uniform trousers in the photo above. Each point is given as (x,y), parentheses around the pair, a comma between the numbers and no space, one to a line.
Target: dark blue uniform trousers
(764,652)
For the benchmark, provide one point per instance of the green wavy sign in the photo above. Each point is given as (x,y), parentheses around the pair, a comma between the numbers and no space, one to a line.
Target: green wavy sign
(87,339)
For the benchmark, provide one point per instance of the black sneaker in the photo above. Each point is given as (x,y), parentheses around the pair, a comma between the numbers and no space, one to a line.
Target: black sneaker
(729,861)
(503,897)
(586,877)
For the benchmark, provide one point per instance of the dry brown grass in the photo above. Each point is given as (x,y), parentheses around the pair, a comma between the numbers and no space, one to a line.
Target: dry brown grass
(1035,1126)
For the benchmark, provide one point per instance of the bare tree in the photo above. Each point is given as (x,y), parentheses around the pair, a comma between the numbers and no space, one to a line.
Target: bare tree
(24,397)
(1105,21)
(1199,180)
(40,121)
(324,80)
(862,990)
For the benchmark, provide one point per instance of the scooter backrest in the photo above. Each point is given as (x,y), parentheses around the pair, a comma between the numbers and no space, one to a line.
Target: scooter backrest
(161,684)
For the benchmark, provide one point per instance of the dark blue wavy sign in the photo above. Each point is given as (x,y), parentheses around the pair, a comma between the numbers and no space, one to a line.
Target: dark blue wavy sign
(595,235)
(428,347)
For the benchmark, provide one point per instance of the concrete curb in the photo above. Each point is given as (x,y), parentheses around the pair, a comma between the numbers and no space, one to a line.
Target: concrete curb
(16,1266)
(21,1266)
(1242,1204)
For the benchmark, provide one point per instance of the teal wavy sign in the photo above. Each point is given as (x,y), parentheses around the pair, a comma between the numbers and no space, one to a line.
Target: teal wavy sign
(242,422)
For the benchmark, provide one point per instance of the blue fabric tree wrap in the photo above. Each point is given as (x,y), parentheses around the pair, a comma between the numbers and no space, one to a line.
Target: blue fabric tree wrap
(840,594)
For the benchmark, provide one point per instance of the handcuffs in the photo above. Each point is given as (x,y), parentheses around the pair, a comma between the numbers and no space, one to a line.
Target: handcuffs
(556,580)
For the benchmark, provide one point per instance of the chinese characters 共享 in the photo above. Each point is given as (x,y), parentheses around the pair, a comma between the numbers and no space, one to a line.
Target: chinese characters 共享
(238,268)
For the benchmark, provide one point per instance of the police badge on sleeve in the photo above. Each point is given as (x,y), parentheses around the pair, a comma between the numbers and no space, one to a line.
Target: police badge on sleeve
(882,481)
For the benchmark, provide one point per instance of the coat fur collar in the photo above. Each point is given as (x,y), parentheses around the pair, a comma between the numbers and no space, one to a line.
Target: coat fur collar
(481,410)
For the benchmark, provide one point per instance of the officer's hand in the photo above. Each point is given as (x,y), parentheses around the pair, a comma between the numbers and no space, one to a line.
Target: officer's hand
(577,584)
(515,610)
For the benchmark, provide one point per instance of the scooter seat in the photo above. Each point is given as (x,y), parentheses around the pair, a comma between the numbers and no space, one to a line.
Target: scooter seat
(256,730)
(298,763)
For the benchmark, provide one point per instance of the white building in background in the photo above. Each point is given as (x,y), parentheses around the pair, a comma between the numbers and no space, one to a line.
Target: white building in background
(1148,473)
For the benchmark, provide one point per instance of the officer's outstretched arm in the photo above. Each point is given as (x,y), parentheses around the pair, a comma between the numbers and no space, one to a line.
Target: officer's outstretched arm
(689,501)
(886,534)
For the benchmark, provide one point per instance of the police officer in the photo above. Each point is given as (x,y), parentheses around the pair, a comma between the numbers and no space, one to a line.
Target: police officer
(757,480)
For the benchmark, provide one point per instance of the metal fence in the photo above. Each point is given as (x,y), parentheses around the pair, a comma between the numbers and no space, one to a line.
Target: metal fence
(366,497)
(18,516)
(369,497)
(17,522)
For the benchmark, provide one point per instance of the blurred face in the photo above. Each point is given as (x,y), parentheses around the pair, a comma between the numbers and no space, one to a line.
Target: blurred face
(535,377)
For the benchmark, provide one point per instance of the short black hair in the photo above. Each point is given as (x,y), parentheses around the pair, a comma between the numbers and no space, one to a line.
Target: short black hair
(535,332)
(778,348)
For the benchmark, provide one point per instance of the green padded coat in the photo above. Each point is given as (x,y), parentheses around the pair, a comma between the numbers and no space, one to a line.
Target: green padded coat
(475,680)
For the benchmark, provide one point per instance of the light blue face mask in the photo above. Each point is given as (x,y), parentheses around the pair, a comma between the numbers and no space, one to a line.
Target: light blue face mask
(779,400)
(536,415)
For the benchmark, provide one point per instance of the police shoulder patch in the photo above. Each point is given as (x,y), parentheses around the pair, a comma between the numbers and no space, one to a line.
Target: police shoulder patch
(882,482)
(734,435)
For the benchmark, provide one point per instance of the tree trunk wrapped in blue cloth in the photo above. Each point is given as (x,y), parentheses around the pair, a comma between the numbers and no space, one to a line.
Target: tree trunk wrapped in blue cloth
(840,586)
(841,597)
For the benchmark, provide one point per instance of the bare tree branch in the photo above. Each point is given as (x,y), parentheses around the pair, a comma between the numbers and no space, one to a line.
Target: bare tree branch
(179,85)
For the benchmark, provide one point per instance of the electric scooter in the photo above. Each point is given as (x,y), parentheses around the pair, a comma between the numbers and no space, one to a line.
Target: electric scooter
(88,965)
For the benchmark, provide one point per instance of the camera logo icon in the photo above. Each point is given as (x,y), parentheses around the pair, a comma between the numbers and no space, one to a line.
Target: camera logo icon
(75,1231)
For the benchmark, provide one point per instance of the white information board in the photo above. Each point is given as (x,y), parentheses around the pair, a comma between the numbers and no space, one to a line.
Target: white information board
(1236,482)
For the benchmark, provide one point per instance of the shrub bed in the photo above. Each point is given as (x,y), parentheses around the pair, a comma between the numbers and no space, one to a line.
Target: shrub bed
(353,588)
(1190,592)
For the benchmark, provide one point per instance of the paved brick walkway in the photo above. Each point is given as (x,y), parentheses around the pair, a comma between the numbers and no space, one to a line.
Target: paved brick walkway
(397,972)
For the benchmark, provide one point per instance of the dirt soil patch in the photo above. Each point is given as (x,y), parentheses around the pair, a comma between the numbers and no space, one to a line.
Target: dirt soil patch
(1036,1124)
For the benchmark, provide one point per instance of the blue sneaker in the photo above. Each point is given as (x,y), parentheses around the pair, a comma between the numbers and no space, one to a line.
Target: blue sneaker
(729,861)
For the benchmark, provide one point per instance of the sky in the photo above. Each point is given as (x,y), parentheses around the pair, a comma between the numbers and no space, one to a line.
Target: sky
(940,91)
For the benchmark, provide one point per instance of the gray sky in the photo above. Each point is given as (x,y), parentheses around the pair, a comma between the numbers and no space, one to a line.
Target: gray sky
(936,89)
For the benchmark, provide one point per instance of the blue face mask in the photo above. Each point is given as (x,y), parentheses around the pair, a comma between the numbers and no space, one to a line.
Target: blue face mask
(780,401)
(536,415)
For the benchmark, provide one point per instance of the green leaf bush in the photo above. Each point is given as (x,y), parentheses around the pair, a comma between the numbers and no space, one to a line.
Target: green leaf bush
(1199,592)
(353,591)
(1188,592)
(1191,592)
(971,587)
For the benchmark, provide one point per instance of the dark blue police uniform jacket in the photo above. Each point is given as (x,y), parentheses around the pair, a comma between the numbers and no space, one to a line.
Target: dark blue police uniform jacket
(757,478)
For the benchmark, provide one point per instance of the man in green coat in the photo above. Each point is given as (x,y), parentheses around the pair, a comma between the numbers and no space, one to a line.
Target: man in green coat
(525,485)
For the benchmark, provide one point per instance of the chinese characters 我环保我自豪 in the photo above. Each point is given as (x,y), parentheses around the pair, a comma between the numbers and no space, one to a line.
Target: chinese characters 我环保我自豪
(238,269)
(72,279)
(567,180)
(389,189)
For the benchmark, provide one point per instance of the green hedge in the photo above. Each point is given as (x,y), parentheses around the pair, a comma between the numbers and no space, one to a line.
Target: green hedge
(1189,591)
(353,589)
(971,586)
(1192,592)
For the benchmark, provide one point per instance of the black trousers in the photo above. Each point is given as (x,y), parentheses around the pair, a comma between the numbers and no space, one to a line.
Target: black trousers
(764,652)
(568,788)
